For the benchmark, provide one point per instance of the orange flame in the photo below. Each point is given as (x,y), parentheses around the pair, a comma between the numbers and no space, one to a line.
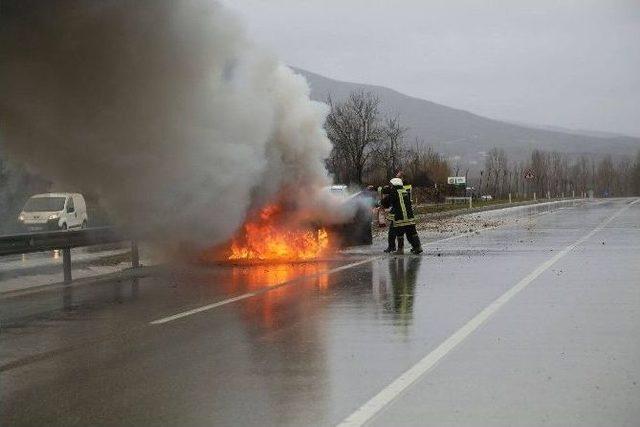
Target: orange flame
(266,238)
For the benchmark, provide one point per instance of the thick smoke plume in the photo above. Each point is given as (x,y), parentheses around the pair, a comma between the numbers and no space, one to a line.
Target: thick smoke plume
(163,108)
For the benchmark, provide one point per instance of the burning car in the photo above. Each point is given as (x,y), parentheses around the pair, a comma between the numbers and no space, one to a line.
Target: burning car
(357,231)
(269,237)
(276,232)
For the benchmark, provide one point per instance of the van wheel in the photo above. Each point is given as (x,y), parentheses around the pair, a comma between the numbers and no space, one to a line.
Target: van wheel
(84,224)
(64,227)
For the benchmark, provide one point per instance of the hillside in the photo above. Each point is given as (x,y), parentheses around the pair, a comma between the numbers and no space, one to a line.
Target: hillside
(461,133)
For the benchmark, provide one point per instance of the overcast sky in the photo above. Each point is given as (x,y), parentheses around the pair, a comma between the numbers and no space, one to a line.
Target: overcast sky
(571,63)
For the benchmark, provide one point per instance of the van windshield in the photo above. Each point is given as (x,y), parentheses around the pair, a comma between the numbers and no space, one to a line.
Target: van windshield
(44,204)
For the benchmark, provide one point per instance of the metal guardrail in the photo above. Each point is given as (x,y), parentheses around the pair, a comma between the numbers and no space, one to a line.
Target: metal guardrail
(23,243)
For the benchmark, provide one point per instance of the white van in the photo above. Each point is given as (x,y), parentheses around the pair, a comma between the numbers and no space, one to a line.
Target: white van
(54,211)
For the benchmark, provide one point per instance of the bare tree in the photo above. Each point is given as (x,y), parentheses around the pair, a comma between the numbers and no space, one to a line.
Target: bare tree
(539,166)
(582,174)
(390,151)
(495,170)
(425,167)
(557,174)
(354,128)
(635,176)
(605,176)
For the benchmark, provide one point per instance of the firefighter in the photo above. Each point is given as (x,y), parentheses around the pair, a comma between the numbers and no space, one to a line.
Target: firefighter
(399,202)
(383,206)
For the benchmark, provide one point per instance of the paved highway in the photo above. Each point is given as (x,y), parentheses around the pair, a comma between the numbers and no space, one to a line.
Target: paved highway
(535,322)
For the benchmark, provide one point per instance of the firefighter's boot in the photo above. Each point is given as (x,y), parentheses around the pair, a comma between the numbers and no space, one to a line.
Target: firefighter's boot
(416,247)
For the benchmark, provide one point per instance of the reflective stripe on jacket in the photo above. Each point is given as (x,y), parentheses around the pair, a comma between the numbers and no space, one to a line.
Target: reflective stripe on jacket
(400,203)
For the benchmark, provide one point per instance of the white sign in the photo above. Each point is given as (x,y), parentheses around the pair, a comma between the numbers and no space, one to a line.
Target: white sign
(457,180)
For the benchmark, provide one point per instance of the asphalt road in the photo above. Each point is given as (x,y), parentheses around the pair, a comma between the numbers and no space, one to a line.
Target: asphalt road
(535,322)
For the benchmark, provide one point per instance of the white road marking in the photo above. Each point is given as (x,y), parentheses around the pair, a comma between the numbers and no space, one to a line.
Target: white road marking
(260,291)
(270,288)
(367,411)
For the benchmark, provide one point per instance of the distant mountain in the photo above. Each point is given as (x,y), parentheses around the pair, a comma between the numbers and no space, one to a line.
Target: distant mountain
(467,136)
(584,132)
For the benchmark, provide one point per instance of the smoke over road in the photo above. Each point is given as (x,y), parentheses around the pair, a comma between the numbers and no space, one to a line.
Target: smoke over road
(163,108)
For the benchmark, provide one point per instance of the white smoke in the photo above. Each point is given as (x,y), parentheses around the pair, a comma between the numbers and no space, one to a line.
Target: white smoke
(163,108)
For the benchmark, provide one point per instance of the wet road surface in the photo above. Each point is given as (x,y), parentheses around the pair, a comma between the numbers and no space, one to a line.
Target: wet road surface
(535,322)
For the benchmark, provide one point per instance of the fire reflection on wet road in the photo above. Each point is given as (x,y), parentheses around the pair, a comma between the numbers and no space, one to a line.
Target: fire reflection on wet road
(270,310)
(314,341)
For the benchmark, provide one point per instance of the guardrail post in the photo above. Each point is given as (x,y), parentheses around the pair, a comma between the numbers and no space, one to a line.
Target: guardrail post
(66,265)
(509,197)
(470,203)
(135,256)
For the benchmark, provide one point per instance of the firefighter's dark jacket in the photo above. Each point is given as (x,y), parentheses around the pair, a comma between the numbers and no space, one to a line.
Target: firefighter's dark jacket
(399,200)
